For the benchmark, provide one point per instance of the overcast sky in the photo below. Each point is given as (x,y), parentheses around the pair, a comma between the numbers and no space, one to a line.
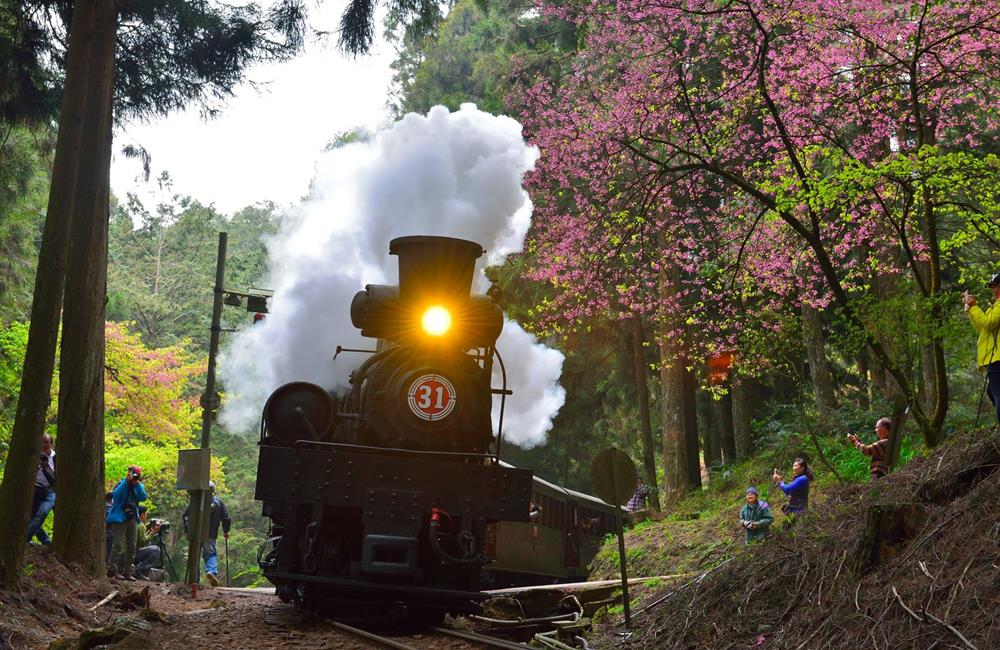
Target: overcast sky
(265,142)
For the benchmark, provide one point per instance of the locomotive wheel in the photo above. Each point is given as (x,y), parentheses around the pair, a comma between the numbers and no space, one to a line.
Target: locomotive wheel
(286,593)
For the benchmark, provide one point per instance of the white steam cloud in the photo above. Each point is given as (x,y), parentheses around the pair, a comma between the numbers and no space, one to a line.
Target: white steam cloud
(451,174)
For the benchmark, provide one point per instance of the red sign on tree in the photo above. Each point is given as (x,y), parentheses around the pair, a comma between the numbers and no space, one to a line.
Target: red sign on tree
(431,397)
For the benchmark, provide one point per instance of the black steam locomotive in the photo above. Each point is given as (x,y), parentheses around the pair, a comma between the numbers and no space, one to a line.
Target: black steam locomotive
(386,494)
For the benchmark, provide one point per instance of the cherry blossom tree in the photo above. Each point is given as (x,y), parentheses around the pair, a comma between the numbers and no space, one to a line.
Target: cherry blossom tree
(773,149)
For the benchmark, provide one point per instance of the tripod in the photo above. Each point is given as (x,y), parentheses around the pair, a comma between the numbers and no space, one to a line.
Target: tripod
(165,560)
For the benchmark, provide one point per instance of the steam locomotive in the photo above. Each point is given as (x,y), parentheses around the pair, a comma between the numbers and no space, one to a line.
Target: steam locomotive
(388,493)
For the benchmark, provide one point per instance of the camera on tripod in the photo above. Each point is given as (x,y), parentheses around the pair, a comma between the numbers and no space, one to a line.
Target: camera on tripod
(163,524)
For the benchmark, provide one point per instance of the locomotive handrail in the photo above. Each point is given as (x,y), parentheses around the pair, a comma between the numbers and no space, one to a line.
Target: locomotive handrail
(504,392)
(415,452)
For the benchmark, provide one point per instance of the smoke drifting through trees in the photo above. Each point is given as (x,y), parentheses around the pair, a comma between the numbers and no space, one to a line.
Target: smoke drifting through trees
(453,174)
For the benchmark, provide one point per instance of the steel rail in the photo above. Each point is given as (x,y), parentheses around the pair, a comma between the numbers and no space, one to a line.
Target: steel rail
(480,638)
(375,638)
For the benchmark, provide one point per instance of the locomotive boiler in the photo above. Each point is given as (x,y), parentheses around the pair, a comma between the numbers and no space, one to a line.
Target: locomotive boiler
(385,494)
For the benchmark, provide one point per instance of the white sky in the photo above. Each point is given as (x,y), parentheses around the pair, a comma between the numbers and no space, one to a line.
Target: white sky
(265,142)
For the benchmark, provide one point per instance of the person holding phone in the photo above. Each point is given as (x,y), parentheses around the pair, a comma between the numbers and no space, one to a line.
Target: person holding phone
(44,498)
(986,322)
(878,450)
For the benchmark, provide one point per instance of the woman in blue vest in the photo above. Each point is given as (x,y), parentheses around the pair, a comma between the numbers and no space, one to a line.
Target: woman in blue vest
(797,489)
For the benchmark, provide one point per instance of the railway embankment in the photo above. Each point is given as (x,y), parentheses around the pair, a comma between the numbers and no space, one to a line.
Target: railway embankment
(910,561)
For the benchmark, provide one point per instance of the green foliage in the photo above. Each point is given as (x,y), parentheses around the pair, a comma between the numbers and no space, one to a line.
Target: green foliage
(13,343)
(470,56)
(25,158)
(161,273)
(147,391)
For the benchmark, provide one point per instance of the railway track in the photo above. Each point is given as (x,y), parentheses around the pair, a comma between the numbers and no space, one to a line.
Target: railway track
(397,644)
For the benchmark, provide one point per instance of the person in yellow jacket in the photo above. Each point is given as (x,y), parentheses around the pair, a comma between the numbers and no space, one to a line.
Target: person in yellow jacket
(987,324)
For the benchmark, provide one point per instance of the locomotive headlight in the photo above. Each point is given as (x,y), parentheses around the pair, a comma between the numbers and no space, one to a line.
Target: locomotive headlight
(436,320)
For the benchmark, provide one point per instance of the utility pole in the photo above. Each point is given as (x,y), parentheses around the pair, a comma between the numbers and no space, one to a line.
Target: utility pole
(200,499)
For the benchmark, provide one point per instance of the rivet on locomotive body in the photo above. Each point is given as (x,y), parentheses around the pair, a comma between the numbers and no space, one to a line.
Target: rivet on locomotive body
(380,477)
(395,478)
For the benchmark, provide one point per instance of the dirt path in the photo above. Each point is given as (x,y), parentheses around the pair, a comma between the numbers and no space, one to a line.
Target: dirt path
(224,618)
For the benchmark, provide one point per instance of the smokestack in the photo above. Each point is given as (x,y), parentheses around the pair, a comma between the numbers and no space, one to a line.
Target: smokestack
(435,269)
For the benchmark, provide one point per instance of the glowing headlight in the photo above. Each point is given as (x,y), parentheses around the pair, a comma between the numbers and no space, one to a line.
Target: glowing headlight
(436,320)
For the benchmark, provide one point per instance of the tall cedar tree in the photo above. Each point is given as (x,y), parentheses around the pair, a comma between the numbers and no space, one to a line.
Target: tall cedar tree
(172,54)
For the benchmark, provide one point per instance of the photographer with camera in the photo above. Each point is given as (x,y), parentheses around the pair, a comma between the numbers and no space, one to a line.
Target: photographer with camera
(755,517)
(123,516)
(147,555)
(45,491)
(218,514)
(878,450)
(987,325)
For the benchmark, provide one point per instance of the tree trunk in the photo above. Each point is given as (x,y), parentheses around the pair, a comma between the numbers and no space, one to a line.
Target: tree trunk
(815,343)
(743,404)
(78,526)
(645,424)
(864,382)
(43,333)
(672,424)
(693,458)
(722,422)
(709,434)
(671,398)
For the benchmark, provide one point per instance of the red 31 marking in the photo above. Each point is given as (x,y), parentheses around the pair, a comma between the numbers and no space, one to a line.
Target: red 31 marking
(431,397)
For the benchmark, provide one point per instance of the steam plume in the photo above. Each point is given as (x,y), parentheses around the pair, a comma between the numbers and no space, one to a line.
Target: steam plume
(452,174)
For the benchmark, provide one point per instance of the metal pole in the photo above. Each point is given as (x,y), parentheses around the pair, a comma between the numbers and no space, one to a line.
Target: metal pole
(621,549)
(198,526)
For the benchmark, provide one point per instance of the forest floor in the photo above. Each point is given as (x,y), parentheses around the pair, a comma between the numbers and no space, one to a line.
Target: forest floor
(912,561)
(55,608)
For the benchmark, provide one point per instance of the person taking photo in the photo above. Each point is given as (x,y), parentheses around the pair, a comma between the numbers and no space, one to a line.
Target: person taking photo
(45,491)
(124,514)
(878,450)
(987,325)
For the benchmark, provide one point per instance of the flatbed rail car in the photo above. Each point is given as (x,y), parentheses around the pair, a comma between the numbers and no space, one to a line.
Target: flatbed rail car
(557,544)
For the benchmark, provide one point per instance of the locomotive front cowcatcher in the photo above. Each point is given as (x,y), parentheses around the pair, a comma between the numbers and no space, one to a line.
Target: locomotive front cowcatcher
(385,495)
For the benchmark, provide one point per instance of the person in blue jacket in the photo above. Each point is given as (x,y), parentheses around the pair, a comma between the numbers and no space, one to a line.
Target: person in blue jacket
(123,515)
(797,489)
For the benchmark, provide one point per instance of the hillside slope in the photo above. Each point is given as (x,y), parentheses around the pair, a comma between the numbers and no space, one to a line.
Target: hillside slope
(910,562)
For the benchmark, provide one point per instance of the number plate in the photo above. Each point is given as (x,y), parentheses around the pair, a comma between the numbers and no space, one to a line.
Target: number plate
(431,397)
